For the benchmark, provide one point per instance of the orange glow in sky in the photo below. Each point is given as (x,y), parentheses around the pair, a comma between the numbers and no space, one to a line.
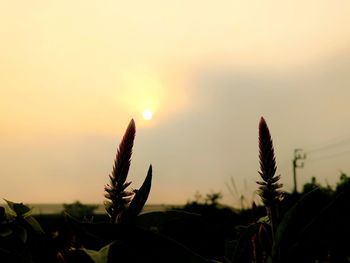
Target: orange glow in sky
(73,73)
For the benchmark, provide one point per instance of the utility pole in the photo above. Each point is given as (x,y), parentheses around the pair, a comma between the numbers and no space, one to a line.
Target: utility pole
(298,156)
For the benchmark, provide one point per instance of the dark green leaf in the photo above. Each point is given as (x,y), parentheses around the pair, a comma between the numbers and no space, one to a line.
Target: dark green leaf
(264,219)
(19,209)
(100,256)
(283,228)
(141,196)
(34,224)
(140,245)
(89,231)
(5,231)
(331,210)
(244,242)
(21,233)
(159,218)
(2,214)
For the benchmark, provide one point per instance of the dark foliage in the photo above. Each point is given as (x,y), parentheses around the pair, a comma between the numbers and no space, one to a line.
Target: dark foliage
(312,226)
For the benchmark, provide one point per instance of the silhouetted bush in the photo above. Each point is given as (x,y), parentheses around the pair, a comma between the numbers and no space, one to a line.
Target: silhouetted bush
(79,210)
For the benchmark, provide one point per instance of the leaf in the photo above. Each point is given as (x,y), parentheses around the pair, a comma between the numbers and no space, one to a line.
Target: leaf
(21,233)
(229,250)
(244,242)
(264,219)
(100,256)
(140,245)
(90,231)
(157,219)
(19,209)
(141,196)
(2,214)
(284,226)
(5,231)
(330,211)
(34,224)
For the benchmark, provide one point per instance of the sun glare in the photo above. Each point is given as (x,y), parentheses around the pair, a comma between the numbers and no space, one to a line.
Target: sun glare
(147,114)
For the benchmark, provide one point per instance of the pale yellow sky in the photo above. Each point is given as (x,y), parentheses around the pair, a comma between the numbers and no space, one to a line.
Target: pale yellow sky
(73,73)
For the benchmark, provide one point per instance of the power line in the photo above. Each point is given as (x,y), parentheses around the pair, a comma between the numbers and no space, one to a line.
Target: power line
(330,156)
(300,155)
(332,144)
(329,145)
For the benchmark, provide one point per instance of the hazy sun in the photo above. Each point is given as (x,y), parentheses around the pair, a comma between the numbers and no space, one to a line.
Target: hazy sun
(147,114)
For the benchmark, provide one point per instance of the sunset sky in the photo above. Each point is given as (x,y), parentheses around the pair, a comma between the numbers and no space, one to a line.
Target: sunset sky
(73,74)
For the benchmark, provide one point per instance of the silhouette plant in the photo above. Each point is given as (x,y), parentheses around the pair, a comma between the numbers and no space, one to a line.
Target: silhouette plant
(123,204)
(18,230)
(127,237)
(256,242)
(269,186)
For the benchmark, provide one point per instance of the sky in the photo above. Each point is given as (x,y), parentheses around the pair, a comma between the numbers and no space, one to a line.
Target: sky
(73,74)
